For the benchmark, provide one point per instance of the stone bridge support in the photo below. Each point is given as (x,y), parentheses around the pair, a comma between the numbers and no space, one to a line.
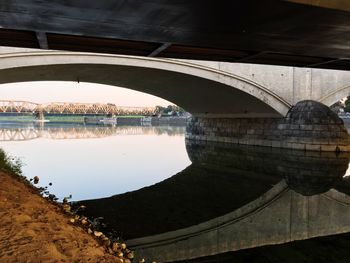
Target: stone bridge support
(309,125)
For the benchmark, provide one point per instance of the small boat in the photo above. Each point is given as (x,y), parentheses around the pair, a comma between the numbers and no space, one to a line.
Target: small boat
(146,121)
(41,121)
(109,121)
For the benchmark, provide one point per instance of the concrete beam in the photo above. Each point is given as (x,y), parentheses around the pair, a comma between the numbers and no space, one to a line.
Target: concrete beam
(338,5)
(293,40)
(325,62)
(159,49)
(42,39)
(252,56)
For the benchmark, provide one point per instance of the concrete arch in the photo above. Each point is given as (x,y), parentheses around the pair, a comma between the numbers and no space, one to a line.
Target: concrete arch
(336,95)
(202,90)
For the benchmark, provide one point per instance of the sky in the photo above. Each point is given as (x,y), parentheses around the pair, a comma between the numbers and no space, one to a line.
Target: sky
(60,91)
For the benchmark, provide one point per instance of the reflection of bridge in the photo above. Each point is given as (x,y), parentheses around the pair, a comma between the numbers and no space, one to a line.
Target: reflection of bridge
(11,106)
(285,217)
(232,198)
(286,212)
(80,132)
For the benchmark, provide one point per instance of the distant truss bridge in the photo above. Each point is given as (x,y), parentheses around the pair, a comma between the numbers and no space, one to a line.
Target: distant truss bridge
(12,106)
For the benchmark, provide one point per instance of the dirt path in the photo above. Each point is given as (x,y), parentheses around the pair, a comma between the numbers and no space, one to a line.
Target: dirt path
(34,230)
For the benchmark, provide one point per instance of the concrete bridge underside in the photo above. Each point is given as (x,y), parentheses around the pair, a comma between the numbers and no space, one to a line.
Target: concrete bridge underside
(305,33)
(209,90)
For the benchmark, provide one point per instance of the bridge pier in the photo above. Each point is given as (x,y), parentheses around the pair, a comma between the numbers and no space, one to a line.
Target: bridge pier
(309,125)
(40,115)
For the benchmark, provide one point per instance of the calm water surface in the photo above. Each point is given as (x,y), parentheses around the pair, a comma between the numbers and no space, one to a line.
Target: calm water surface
(96,161)
(176,200)
(241,204)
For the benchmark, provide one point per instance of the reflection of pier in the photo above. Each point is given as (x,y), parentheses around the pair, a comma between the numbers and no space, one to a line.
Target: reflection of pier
(232,198)
(25,133)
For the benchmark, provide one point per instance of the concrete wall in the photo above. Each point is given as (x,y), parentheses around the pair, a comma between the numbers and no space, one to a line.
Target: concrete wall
(309,125)
(292,83)
(269,133)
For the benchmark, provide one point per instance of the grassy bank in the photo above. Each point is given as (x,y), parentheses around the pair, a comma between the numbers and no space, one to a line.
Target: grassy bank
(10,164)
(72,119)
(17,118)
(69,119)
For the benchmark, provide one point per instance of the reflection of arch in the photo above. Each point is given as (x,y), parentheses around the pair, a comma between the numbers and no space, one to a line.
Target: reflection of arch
(178,81)
(231,197)
(147,244)
(288,217)
(335,96)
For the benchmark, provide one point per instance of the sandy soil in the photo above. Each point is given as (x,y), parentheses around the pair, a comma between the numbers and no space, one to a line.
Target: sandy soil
(34,230)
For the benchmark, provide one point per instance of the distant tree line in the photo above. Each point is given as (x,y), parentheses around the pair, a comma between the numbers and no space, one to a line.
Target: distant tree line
(171,110)
(347,104)
(341,106)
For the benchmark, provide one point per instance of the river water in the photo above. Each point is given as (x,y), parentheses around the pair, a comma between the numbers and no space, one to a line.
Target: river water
(183,201)
(91,162)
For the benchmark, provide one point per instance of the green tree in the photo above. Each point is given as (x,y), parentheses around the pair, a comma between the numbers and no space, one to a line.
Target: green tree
(176,110)
(347,104)
(336,107)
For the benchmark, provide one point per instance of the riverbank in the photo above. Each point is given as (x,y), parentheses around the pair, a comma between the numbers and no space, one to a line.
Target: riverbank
(53,119)
(141,121)
(32,229)
(96,120)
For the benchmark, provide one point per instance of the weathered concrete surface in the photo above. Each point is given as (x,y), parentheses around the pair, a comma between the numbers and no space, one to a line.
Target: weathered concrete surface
(285,33)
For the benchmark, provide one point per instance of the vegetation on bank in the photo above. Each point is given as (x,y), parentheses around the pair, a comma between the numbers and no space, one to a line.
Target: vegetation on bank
(130,116)
(24,118)
(66,119)
(171,110)
(10,164)
(73,119)
(341,106)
